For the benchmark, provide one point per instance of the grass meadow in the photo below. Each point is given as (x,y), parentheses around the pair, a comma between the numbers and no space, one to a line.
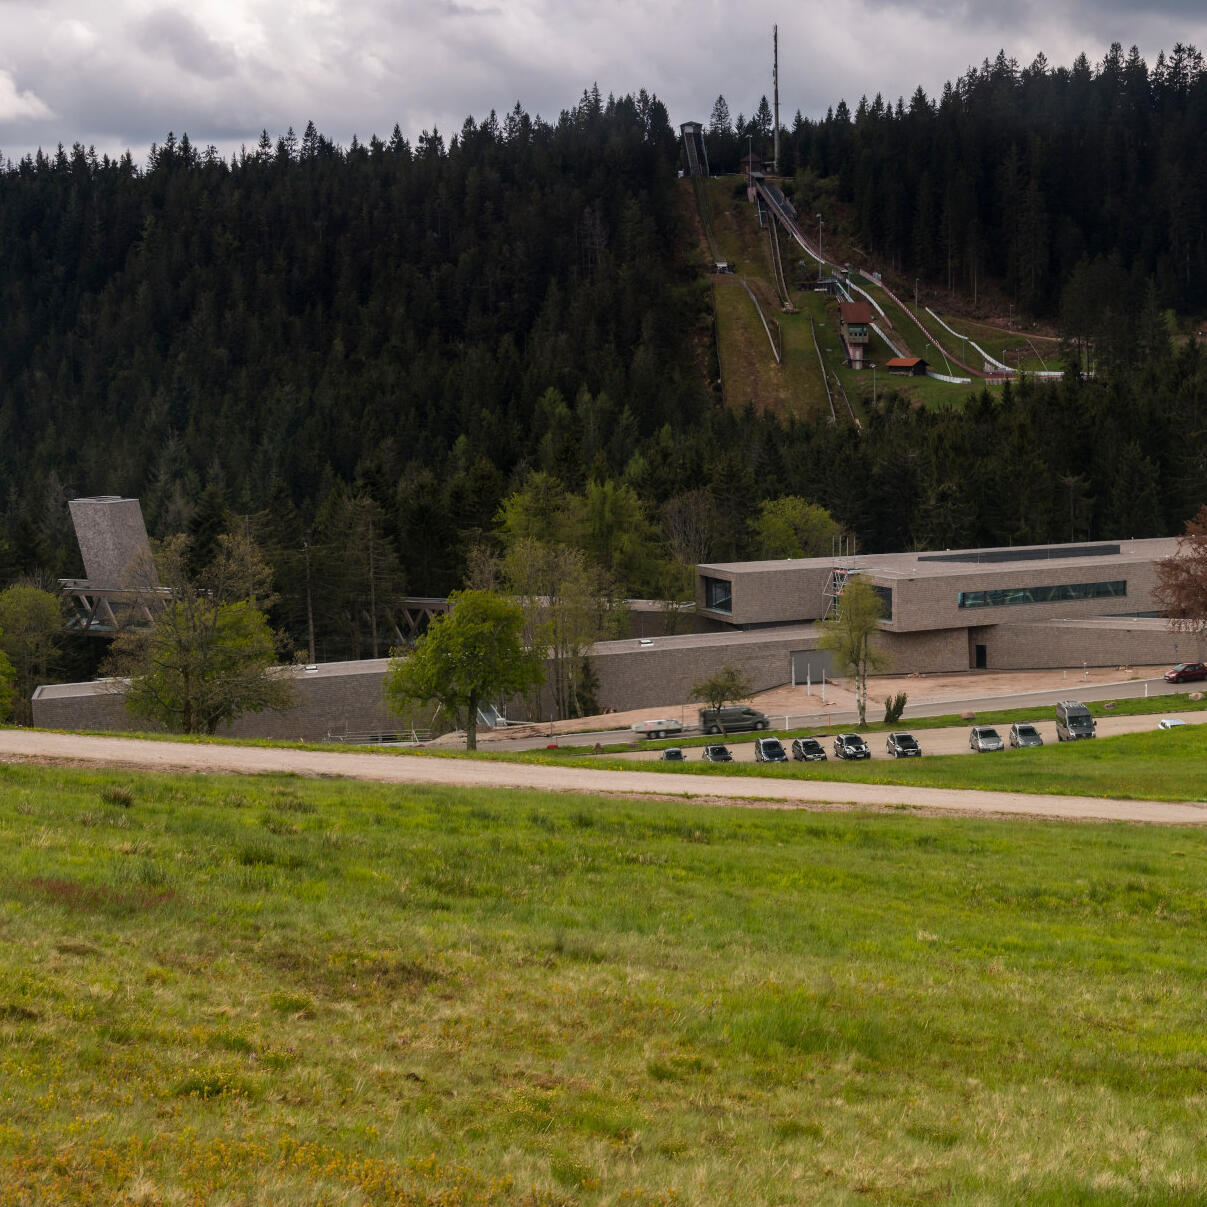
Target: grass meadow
(271,990)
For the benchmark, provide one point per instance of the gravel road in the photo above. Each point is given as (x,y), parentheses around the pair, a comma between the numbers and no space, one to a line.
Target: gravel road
(20,745)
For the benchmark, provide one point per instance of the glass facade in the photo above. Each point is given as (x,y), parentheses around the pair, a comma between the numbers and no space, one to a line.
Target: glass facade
(886,601)
(1063,593)
(718,594)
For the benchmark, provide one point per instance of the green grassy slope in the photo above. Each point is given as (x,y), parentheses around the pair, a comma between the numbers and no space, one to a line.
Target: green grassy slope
(280,991)
(796,386)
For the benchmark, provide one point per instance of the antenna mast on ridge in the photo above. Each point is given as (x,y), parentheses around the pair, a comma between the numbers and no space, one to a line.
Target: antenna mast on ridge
(775,87)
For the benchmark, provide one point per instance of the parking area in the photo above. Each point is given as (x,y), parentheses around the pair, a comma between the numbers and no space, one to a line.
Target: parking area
(953,740)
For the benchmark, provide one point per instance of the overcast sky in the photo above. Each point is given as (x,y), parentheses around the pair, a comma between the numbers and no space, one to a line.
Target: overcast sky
(121,73)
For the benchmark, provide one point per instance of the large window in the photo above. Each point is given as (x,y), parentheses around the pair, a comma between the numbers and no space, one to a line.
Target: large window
(885,595)
(718,594)
(1063,593)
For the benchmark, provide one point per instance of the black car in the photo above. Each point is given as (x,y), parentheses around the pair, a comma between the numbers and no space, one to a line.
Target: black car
(903,746)
(717,754)
(851,746)
(769,750)
(673,754)
(808,750)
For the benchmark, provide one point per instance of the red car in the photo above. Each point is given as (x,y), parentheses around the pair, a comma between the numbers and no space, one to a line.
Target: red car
(1186,672)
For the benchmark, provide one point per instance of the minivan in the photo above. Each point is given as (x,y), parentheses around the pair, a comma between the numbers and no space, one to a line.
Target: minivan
(1073,721)
(733,717)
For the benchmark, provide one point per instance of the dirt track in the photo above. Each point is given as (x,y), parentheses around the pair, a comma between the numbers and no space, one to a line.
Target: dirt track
(17,745)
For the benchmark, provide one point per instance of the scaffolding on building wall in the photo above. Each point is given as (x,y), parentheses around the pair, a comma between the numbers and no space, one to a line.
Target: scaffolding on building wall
(842,553)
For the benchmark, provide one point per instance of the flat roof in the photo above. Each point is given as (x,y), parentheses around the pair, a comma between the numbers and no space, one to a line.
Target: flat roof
(322,670)
(804,630)
(951,563)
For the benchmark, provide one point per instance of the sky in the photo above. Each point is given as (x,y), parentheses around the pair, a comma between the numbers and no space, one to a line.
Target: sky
(118,74)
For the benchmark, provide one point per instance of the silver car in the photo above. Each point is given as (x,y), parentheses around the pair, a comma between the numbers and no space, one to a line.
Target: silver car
(1023,733)
(985,737)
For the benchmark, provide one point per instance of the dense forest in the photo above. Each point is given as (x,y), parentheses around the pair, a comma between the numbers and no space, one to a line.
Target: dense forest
(1025,176)
(361,354)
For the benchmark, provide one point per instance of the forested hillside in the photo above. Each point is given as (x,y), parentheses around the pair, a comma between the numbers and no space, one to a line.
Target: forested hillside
(360,354)
(1029,177)
(336,336)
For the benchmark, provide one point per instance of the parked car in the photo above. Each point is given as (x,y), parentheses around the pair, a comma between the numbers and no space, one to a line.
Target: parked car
(717,754)
(673,754)
(734,717)
(1073,721)
(903,746)
(1170,723)
(1023,733)
(1186,672)
(658,728)
(985,737)
(769,750)
(808,750)
(851,746)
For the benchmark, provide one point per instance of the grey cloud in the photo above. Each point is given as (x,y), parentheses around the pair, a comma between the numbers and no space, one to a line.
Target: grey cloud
(190,47)
(121,73)
(451,8)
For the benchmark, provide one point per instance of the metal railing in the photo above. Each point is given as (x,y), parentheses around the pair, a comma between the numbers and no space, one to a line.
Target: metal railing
(381,737)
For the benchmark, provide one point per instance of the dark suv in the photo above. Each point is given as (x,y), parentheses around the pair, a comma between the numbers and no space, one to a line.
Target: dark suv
(851,746)
(903,746)
(808,750)
(769,750)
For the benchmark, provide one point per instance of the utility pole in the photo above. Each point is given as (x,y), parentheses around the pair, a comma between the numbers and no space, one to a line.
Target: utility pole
(309,606)
(775,88)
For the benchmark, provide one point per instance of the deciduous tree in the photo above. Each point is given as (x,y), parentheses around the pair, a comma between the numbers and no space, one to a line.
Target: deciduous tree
(31,627)
(469,656)
(8,678)
(721,688)
(793,527)
(568,604)
(1181,590)
(207,659)
(850,637)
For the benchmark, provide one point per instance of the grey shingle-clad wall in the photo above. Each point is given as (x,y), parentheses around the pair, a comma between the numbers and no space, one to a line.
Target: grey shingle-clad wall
(926,590)
(769,592)
(340,698)
(1105,642)
(113,542)
(343,697)
(932,602)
